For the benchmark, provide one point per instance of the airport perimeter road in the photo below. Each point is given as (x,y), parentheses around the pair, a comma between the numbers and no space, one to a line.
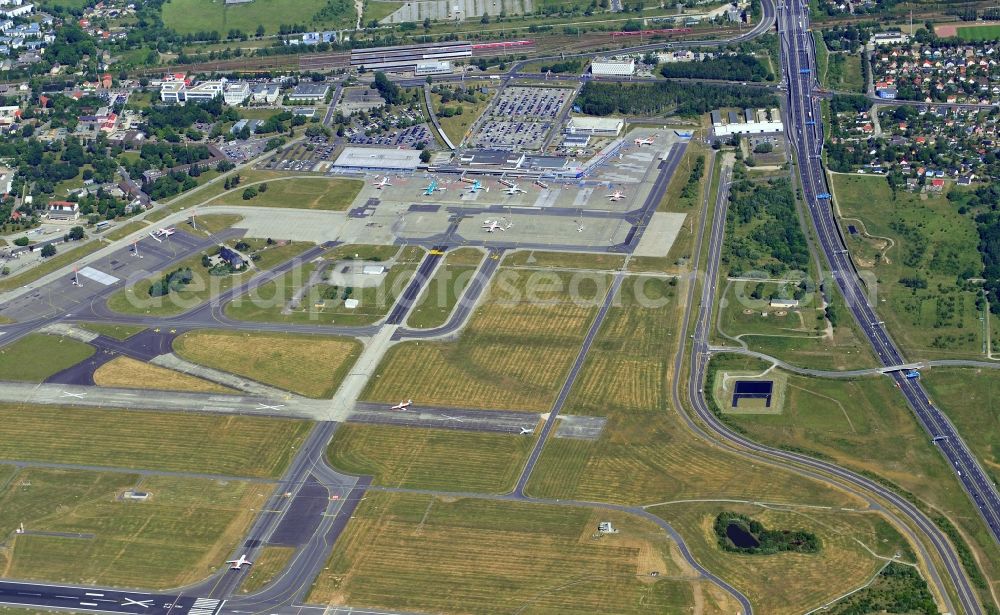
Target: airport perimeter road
(807,138)
(820,470)
(806,466)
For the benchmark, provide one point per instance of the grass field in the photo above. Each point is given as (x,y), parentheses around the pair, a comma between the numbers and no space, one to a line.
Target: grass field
(914,238)
(118,332)
(971,398)
(322,302)
(36,356)
(188,16)
(644,454)
(845,72)
(136,299)
(513,354)
(130,373)
(149,440)
(61,259)
(865,425)
(180,535)
(309,365)
(431,458)
(563,260)
(301,193)
(379,9)
(421,553)
(443,290)
(457,125)
(791,583)
(266,566)
(211,224)
(979,33)
(123,230)
(797,335)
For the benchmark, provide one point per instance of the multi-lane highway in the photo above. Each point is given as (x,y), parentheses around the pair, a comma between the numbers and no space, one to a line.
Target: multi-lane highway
(807,137)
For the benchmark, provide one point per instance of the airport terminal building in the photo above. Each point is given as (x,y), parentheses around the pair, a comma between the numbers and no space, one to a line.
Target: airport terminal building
(362,159)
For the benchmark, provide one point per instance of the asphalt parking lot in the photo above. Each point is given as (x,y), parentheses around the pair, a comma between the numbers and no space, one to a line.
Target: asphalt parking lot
(305,156)
(403,137)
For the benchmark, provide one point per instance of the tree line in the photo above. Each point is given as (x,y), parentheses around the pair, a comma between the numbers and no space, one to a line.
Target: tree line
(681,98)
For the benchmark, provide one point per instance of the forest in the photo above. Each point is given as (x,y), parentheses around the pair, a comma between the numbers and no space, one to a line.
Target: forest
(657,98)
(775,241)
(730,68)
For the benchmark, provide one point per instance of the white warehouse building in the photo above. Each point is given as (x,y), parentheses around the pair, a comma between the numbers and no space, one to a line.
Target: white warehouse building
(613,68)
(599,126)
(433,67)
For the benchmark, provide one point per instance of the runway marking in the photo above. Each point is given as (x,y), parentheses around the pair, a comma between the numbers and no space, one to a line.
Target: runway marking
(88,604)
(263,406)
(143,603)
(76,395)
(93,594)
(204,606)
(452,418)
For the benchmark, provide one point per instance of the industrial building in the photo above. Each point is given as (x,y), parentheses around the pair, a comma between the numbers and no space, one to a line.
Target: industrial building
(612,68)
(406,57)
(377,159)
(435,67)
(265,93)
(309,92)
(595,126)
(749,122)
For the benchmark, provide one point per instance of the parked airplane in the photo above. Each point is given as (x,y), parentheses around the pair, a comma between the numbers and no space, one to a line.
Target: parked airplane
(432,187)
(495,225)
(527,430)
(514,189)
(237,564)
(541,184)
(161,234)
(382,183)
(476,187)
(617,195)
(403,405)
(646,141)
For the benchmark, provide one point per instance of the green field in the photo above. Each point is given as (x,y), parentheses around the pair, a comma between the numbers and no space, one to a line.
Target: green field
(971,398)
(427,554)
(979,33)
(136,299)
(443,290)
(324,303)
(36,356)
(915,239)
(644,453)
(166,441)
(457,126)
(865,425)
(180,535)
(266,566)
(431,458)
(844,72)
(379,9)
(118,332)
(799,335)
(299,193)
(189,16)
(791,583)
(563,260)
(309,365)
(513,354)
